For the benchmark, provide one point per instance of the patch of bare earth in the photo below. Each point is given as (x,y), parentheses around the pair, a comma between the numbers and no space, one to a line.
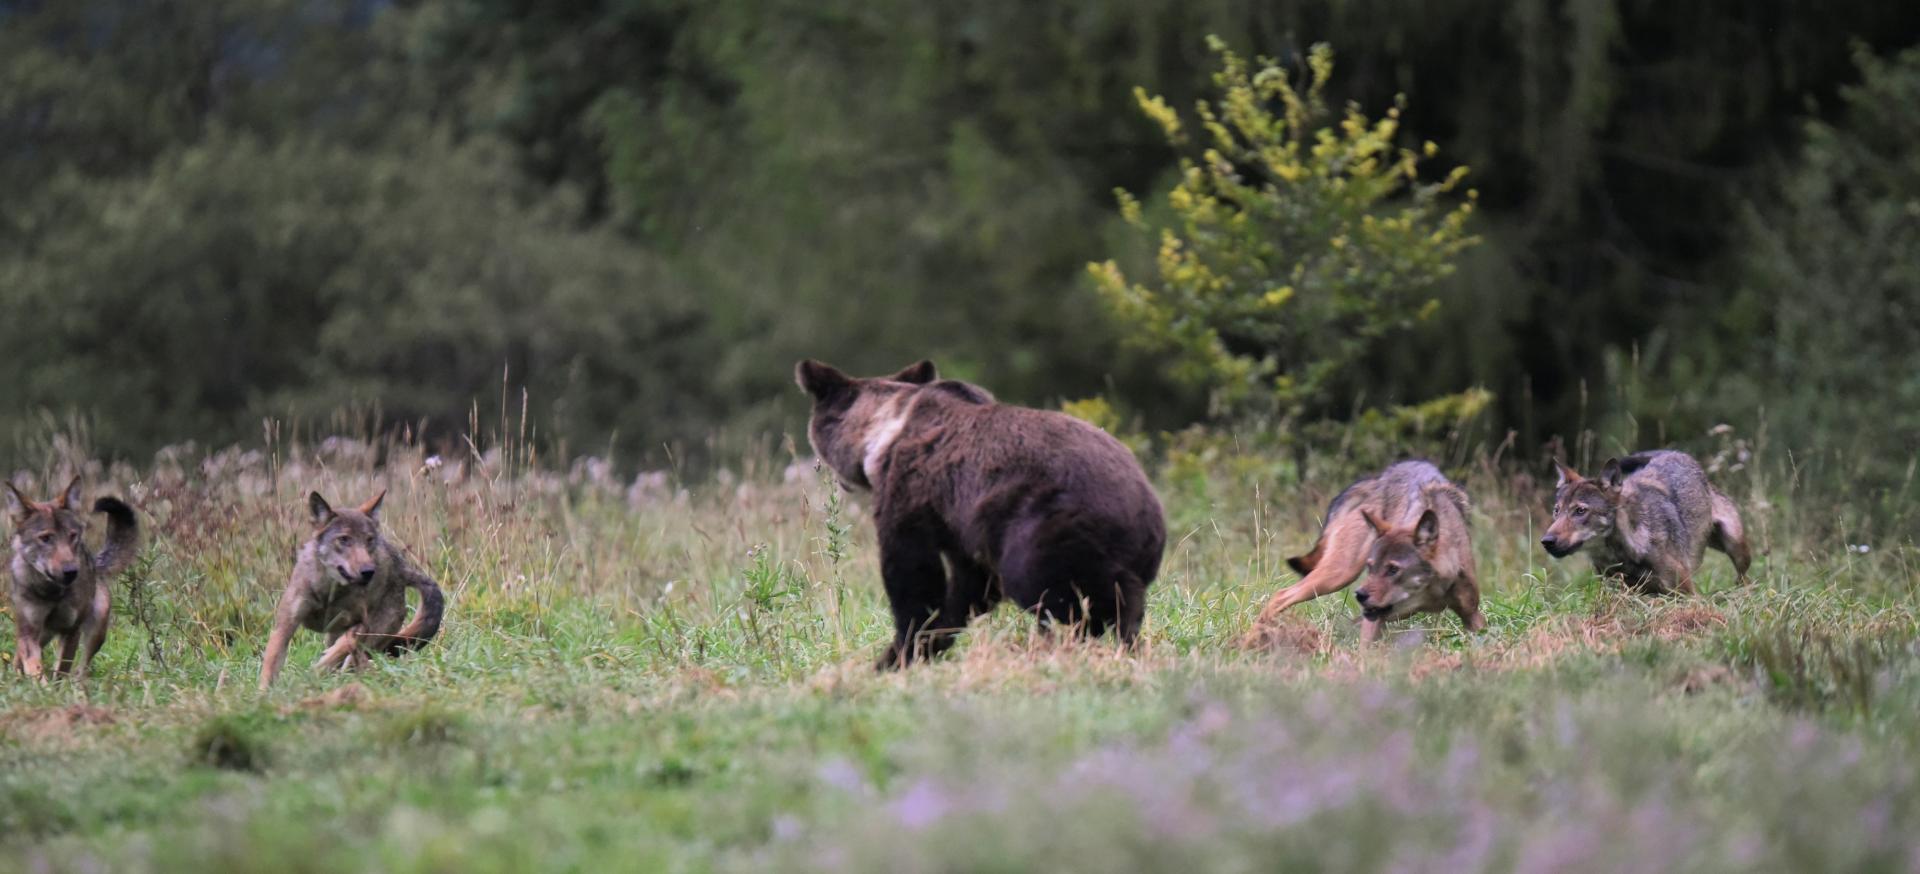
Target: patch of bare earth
(1706,677)
(1612,625)
(38,724)
(1606,630)
(352,696)
(1289,634)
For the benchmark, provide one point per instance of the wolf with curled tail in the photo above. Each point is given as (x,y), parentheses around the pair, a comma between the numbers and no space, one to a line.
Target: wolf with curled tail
(59,589)
(350,583)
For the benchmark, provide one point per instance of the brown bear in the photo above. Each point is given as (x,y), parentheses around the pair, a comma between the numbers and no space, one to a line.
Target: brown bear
(976,500)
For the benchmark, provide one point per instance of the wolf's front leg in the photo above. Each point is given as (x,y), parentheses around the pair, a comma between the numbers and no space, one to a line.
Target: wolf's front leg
(26,653)
(285,620)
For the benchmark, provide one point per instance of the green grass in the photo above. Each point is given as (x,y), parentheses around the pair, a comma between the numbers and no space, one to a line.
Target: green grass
(675,677)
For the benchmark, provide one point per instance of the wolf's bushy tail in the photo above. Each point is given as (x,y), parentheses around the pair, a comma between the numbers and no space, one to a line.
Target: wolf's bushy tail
(426,620)
(123,537)
(1729,533)
(1305,563)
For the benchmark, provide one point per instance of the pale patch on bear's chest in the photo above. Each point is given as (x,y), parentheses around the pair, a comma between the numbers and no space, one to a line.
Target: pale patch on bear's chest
(881,434)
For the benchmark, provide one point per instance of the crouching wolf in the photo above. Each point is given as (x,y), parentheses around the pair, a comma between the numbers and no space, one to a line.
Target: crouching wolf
(1647,518)
(350,584)
(1407,528)
(59,589)
(975,500)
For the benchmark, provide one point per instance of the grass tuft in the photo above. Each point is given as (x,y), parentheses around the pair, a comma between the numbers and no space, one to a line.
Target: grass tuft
(228,743)
(669,674)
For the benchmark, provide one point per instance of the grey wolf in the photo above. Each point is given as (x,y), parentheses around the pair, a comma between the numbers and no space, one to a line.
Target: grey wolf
(1407,529)
(350,583)
(59,589)
(975,501)
(1647,518)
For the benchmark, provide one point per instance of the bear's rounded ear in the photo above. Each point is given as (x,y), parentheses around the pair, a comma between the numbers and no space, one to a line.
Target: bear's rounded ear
(322,513)
(919,373)
(820,380)
(1567,474)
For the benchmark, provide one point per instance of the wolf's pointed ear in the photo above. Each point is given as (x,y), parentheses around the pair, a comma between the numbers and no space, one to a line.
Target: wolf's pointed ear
(372,507)
(1611,474)
(1427,531)
(1567,474)
(18,504)
(820,380)
(919,374)
(322,513)
(1374,522)
(70,498)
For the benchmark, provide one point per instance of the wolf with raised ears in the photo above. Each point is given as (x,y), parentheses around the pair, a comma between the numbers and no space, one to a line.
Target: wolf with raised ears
(350,583)
(1648,518)
(1407,530)
(60,590)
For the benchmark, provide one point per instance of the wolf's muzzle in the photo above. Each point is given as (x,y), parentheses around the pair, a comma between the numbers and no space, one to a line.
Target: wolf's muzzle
(1556,548)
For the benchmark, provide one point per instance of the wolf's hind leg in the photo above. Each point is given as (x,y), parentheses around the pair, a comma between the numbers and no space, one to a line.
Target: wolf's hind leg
(343,649)
(1671,574)
(1343,553)
(1729,535)
(69,646)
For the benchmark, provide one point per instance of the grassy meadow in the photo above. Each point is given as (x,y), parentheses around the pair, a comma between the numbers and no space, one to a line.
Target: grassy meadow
(672,673)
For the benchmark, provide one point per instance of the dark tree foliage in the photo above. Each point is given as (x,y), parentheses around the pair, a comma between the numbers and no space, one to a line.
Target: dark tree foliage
(643,210)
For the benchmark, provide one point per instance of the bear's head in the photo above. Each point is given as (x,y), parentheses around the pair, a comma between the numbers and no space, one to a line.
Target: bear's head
(856,419)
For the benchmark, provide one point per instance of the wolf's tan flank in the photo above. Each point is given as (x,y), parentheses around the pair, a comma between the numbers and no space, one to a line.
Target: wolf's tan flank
(1407,529)
(351,584)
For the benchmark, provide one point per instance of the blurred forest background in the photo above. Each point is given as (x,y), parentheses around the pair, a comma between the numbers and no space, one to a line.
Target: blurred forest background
(636,214)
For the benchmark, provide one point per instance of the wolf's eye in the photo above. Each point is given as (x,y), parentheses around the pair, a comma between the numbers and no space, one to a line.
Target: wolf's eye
(1579,512)
(1393,570)
(343,540)
(46,538)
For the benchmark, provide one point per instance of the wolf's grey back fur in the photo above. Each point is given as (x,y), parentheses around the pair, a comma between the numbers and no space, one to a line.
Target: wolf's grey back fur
(1667,500)
(1403,491)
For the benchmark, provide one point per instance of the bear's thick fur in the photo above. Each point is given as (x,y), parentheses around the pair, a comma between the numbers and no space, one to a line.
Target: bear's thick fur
(975,500)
